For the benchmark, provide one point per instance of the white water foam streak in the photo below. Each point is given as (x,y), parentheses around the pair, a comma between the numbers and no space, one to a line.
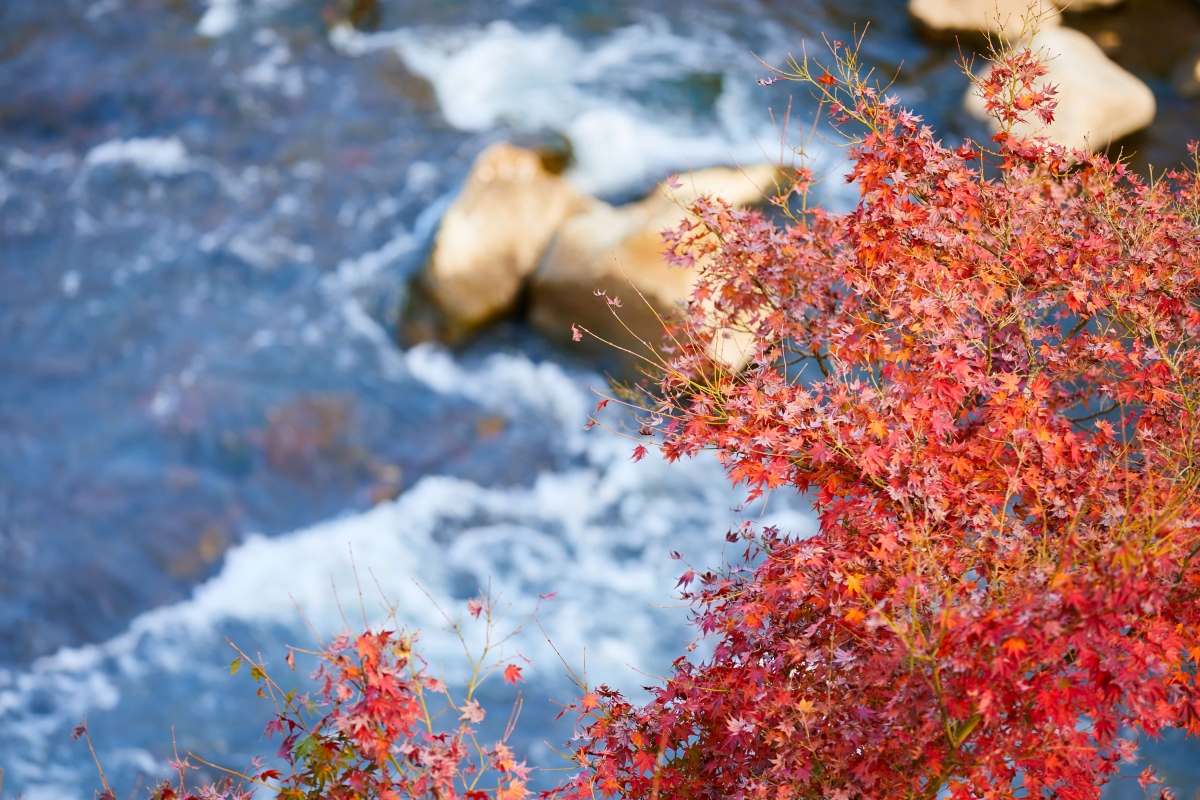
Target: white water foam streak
(542,78)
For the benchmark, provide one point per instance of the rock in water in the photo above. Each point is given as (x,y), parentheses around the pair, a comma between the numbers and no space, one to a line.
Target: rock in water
(1098,101)
(615,249)
(991,16)
(488,243)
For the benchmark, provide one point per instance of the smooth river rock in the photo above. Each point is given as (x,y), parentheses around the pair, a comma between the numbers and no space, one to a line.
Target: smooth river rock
(489,241)
(1098,101)
(619,251)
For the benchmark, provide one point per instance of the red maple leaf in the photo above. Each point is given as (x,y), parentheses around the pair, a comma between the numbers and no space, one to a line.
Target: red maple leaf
(512,674)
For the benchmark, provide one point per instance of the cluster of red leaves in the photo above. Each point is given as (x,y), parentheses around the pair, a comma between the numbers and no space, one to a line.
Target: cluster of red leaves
(373,729)
(376,738)
(987,376)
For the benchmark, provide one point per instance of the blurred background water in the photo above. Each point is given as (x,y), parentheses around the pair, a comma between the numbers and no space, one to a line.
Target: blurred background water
(208,212)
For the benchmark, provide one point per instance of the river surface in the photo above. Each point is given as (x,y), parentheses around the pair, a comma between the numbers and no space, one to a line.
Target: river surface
(208,212)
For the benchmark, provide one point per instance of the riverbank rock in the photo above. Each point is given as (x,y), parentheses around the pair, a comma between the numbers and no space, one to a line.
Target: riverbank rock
(489,241)
(1098,101)
(615,249)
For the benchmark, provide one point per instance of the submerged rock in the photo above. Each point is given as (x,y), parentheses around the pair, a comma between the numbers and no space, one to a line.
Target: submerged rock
(1098,101)
(489,241)
(619,251)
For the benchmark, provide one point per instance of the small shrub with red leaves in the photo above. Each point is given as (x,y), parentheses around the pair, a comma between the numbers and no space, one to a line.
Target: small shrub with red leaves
(987,377)
(379,726)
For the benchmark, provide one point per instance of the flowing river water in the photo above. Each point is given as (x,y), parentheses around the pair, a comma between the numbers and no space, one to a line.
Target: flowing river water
(208,212)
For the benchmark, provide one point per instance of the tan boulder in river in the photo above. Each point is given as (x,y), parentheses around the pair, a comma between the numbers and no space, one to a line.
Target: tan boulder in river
(490,240)
(615,249)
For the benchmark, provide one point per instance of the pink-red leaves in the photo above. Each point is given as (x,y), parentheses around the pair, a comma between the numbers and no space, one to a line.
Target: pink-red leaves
(373,730)
(512,674)
(989,382)
(472,712)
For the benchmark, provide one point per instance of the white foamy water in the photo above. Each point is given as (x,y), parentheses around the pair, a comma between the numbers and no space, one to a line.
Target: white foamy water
(222,16)
(598,533)
(161,156)
(542,78)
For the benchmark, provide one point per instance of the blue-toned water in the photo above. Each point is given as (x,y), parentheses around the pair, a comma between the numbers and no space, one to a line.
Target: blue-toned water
(208,211)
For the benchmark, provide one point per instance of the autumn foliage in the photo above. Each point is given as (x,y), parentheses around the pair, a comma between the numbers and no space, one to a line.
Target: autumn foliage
(380,724)
(986,375)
